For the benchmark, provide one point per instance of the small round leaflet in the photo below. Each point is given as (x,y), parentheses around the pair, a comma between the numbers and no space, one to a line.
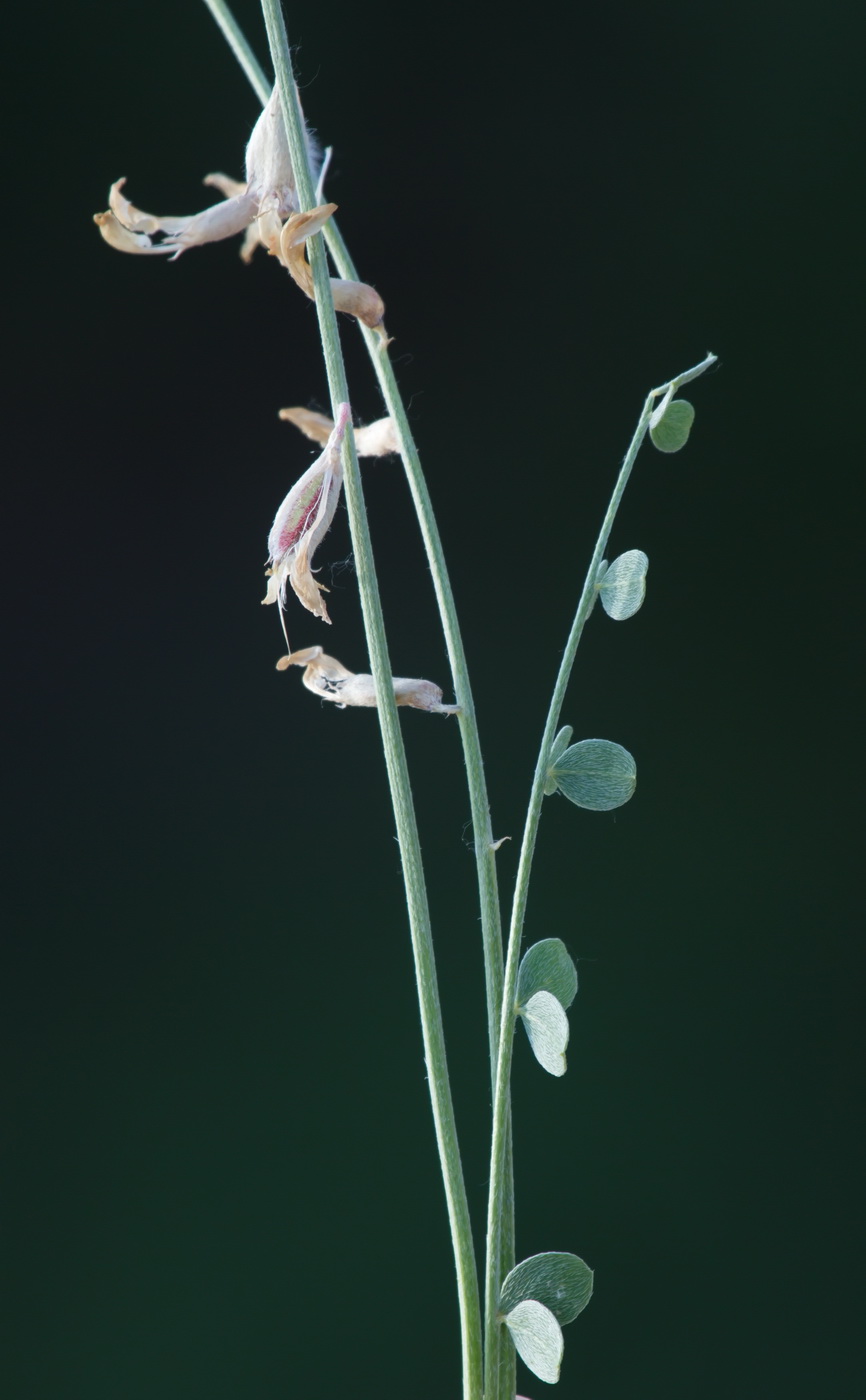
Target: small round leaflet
(623,586)
(538,1338)
(596,774)
(672,430)
(547,967)
(547,1027)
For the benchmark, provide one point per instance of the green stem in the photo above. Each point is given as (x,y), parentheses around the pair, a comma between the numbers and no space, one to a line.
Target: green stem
(485,852)
(239,45)
(498,1348)
(480,808)
(395,758)
(501,1116)
(498,1351)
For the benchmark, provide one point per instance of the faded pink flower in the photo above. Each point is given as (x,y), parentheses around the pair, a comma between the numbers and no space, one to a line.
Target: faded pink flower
(264,208)
(268,197)
(302,522)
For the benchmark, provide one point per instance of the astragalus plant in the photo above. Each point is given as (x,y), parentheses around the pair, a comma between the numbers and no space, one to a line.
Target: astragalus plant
(280,206)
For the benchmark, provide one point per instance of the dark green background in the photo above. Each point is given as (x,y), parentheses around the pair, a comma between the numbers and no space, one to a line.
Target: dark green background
(220,1170)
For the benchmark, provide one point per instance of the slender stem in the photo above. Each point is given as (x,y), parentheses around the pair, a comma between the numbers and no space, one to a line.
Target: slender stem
(498,1351)
(498,1347)
(499,1150)
(239,45)
(485,853)
(395,759)
(484,843)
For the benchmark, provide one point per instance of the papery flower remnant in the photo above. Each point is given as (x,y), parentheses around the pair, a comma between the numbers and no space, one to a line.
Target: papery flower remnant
(265,206)
(355,298)
(375,440)
(302,522)
(329,679)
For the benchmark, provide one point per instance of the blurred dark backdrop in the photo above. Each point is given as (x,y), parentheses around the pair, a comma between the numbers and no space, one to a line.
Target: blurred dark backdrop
(220,1169)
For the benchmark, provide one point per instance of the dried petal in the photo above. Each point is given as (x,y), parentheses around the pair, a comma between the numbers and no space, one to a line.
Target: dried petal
(220,221)
(122,238)
(267,195)
(376,440)
(224,183)
(130,229)
(316,426)
(136,220)
(295,232)
(301,523)
(229,187)
(357,299)
(299,227)
(330,680)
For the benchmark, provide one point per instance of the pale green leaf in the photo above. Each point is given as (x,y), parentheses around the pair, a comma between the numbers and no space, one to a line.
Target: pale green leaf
(562,1282)
(596,774)
(547,967)
(623,587)
(547,1027)
(538,1338)
(671,431)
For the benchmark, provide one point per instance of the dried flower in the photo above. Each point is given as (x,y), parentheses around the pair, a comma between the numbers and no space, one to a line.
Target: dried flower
(301,523)
(264,208)
(376,440)
(355,298)
(329,679)
(268,198)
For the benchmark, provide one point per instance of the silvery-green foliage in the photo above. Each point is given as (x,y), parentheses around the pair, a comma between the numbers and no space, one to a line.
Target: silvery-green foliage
(547,967)
(546,985)
(547,1027)
(671,430)
(622,586)
(538,1338)
(596,773)
(539,1296)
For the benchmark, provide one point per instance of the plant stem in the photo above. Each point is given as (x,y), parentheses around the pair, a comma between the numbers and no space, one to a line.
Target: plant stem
(395,758)
(485,855)
(239,45)
(499,1149)
(498,1351)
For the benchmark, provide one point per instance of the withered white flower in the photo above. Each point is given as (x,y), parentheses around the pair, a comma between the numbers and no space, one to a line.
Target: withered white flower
(375,440)
(329,679)
(268,197)
(302,522)
(264,208)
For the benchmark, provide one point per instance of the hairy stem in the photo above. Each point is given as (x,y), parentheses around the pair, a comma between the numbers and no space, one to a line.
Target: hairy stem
(499,1359)
(501,1356)
(501,1134)
(395,759)
(239,45)
(483,835)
